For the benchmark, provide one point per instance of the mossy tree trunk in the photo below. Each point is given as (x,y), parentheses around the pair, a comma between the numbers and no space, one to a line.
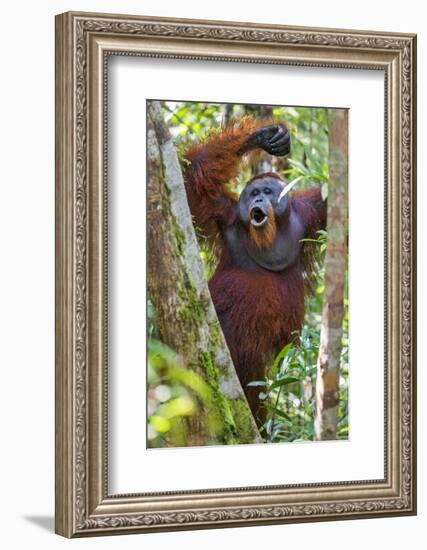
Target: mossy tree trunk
(184,313)
(328,364)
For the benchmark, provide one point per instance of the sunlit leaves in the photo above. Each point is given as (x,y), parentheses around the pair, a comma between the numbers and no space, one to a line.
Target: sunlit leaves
(160,425)
(191,120)
(174,393)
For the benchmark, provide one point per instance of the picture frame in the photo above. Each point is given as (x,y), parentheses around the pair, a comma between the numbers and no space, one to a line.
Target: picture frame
(84,42)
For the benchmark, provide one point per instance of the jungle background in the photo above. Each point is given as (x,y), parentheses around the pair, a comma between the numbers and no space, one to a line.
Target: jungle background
(176,394)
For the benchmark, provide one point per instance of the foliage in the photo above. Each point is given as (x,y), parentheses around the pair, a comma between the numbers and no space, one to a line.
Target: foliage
(188,121)
(288,393)
(174,394)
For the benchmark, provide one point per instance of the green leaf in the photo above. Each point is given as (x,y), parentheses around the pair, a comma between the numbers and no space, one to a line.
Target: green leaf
(160,423)
(284,382)
(324,191)
(278,412)
(257,383)
(282,353)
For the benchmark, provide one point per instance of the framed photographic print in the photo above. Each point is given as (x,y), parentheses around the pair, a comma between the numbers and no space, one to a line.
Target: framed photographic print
(235,274)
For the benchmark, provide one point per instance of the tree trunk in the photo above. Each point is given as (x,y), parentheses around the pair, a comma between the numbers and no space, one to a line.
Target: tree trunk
(185,315)
(328,364)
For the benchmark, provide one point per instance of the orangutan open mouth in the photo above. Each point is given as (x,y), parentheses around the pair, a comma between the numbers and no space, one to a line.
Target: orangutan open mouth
(258,217)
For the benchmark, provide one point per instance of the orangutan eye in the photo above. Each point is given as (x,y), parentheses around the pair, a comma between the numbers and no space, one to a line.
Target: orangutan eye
(255,192)
(267,190)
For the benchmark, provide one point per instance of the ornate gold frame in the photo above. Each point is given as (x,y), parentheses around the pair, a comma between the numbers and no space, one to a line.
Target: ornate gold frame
(83,42)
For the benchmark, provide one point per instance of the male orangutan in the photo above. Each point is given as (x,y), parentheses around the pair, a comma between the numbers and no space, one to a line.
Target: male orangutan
(258,285)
